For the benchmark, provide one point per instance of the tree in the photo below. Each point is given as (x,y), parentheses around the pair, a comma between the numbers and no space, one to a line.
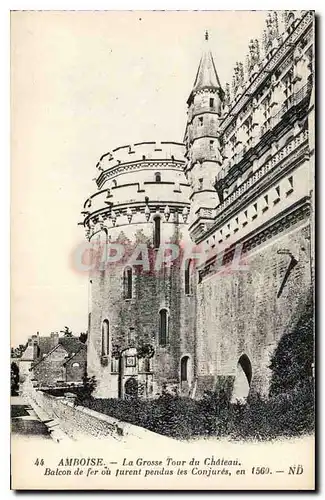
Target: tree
(16,352)
(83,337)
(67,332)
(14,378)
(292,362)
(89,385)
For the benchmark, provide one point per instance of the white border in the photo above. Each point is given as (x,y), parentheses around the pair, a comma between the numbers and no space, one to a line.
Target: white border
(5,7)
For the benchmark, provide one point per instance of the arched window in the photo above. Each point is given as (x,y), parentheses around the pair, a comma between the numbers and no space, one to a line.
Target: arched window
(105,338)
(75,365)
(127,282)
(156,235)
(184,368)
(188,277)
(157,177)
(163,327)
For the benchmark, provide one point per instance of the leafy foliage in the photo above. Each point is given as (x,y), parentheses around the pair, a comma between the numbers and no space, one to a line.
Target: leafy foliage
(83,392)
(16,352)
(292,361)
(67,332)
(83,337)
(14,379)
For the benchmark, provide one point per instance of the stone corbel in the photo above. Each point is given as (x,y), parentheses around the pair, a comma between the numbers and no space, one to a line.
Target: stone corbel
(129,214)
(101,222)
(167,213)
(113,217)
(185,214)
(147,212)
(242,218)
(252,211)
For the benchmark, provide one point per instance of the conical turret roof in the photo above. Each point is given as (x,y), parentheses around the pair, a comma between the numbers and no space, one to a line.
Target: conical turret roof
(206,76)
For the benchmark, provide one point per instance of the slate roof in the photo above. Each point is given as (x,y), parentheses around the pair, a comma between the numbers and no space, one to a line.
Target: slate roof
(28,354)
(206,76)
(45,345)
(71,344)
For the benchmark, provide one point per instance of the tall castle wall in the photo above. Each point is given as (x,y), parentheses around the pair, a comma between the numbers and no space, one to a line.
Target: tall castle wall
(262,218)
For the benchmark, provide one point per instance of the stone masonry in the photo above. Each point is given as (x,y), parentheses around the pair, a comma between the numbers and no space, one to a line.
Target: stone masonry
(236,198)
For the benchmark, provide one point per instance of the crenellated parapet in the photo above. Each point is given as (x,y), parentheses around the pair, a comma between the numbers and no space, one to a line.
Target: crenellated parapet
(137,183)
(121,159)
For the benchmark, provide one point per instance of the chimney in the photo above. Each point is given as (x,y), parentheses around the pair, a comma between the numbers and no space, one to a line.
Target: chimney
(54,339)
(30,341)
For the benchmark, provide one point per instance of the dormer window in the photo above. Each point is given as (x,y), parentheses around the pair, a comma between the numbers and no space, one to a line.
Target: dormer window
(157,177)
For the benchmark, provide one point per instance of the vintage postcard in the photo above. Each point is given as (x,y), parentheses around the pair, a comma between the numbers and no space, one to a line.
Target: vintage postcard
(162,250)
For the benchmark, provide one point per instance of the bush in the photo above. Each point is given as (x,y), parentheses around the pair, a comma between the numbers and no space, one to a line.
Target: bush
(14,379)
(293,358)
(286,415)
(83,392)
(169,414)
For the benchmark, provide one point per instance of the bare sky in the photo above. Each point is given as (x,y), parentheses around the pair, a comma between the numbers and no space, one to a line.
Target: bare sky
(84,83)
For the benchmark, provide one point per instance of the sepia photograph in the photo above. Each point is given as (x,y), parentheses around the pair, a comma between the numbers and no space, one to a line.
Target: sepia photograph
(162,250)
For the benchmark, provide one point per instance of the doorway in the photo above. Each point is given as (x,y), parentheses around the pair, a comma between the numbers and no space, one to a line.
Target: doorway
(131,388)
(242,381)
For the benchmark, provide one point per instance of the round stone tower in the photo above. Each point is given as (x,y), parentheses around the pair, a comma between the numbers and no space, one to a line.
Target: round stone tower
(141,318)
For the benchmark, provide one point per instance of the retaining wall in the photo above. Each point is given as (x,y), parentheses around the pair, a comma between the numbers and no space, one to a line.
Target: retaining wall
(78,421)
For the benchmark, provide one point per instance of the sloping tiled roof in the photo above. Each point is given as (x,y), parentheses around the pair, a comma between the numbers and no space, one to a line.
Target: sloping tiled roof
(28,354)
(45,345)
(71,344)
